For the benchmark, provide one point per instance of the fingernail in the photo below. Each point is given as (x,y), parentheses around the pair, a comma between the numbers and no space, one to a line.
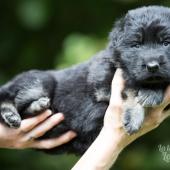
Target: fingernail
(59,116)
(48,112)
(73,134)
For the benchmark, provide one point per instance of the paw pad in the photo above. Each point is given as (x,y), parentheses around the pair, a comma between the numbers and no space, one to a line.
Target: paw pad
(12,119)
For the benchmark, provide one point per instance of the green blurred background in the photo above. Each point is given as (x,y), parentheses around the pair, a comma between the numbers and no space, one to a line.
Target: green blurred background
(48,34)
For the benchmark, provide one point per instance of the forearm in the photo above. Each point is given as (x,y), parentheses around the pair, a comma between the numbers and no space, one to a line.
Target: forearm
(102,153)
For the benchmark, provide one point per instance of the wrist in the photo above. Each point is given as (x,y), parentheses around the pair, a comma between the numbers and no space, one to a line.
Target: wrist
(104,150)
(117,136)
(113,138)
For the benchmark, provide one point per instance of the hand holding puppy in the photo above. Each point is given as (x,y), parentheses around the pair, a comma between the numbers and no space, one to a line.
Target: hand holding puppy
(31,129)
(113,138)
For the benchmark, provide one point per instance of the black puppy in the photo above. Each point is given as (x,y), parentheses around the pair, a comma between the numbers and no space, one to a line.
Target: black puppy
(139,44)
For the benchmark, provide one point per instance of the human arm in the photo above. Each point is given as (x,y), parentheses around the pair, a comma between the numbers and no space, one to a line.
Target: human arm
(113,139)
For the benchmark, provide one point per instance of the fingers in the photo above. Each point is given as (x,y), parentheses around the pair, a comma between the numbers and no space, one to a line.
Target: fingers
(117,87)
(167,95)
(167,114)
(34,128)
(54,142)
(28,138)
(30,123)
(157,114)
(45,126)
(114,111)
(166,100)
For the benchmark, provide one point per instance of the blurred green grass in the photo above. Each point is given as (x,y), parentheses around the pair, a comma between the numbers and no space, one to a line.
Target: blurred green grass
(48,34)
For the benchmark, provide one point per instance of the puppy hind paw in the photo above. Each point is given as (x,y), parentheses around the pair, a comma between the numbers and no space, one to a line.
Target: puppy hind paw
(10,115)
(12,119)
(39,105)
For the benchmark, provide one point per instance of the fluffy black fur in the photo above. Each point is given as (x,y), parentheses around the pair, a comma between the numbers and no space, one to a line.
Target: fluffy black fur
(139,44)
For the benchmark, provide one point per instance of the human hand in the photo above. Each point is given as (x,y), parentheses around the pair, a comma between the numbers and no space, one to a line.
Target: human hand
(32,128)
(113,117)
(113,138)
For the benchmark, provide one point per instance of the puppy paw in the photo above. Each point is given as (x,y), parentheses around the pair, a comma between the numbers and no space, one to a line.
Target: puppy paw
(133,119)
(39,105)
(10,115)
(150,98)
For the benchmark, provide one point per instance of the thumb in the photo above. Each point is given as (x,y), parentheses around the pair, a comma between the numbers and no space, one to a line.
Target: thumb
(117,88)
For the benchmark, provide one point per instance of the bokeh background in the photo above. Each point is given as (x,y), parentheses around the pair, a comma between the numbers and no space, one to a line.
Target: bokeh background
(49,34)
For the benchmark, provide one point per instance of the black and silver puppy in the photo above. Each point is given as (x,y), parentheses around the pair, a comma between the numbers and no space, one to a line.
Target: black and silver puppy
(139,44)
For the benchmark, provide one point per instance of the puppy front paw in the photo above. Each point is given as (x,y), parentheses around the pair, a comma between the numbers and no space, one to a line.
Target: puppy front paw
(133,119)
(150,98)
(10,115)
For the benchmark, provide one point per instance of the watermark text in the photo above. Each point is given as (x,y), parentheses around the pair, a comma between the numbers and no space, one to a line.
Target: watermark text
(165,152)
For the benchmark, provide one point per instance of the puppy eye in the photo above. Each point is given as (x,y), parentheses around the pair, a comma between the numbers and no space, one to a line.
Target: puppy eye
(166,43)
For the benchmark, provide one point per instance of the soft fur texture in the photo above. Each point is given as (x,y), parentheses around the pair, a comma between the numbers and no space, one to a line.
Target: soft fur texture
(139,44)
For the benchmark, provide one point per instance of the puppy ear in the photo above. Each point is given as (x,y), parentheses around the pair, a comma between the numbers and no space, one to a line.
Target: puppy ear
(116,34)
(116,37)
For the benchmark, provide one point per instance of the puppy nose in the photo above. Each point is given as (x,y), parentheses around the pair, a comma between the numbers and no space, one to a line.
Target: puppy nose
(152,66)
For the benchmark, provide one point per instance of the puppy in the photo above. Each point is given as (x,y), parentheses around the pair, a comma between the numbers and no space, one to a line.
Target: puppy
(139,45)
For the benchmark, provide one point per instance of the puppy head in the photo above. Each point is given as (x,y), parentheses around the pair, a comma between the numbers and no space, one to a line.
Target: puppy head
(141,45)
